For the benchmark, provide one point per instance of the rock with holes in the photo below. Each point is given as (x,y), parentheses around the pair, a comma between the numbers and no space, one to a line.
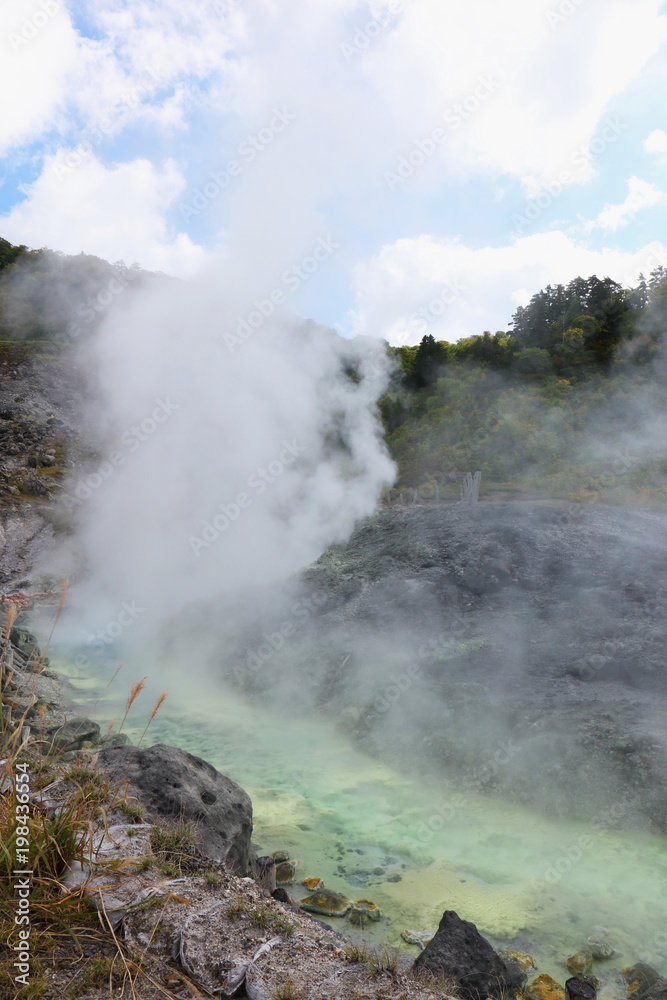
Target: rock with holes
(173,784)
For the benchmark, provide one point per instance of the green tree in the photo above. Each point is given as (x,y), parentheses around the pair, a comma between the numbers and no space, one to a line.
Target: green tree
(533,361)
(429,361)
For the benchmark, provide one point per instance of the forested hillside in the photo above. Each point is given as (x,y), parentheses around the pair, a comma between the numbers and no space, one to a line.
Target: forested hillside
(571,399)
(48,295)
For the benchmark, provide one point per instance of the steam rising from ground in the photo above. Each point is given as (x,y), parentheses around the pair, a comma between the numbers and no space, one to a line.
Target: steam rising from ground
(232,465)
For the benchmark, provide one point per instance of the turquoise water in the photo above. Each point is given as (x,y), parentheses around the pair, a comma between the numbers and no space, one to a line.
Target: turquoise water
(530,882)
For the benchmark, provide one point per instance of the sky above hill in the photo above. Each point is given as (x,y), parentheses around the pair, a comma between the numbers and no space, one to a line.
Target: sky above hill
(394,168)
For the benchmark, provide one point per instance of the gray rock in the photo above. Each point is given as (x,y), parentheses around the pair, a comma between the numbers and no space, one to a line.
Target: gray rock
(642,981)
(657,992)
(24,641)
(409,613)
(72,734)
(458,951)
(115,740)
(173,784)
(600,949)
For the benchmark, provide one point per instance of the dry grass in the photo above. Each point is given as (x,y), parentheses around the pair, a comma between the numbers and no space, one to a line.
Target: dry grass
(73,949)
(174,844)
(289,991)
(434,981)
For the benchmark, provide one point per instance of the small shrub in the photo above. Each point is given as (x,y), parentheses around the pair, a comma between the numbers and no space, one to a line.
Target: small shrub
(97,973)
(359,953)
(283,926)
(385,960)
(131,810)
(173,845)
(237,908)
(261,916)
(288,991)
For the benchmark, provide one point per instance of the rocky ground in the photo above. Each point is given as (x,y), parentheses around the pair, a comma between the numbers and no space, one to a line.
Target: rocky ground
(518,647)
(41,418)
(163,856)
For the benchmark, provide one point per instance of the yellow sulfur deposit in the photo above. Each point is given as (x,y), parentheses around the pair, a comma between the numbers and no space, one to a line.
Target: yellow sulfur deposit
(327,902)
(313,883)
(544,988)
(526,962)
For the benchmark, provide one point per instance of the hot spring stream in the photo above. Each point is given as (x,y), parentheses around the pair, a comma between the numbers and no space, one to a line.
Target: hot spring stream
(370,832)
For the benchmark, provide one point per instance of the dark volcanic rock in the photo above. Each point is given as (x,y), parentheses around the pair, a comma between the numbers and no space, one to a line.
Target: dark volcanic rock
(174,784)
(459,951)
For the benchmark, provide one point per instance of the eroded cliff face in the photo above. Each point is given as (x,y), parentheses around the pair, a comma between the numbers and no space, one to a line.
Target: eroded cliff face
(42,393)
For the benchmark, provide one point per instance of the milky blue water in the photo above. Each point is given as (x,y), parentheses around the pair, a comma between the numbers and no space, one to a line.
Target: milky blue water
(528,881)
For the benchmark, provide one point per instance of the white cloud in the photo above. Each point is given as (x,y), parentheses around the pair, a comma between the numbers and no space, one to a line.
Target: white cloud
(641,194)
(549,88)
(147,61)
(554,82)
(442,287)
(656,143)
(113,212)
(39,51)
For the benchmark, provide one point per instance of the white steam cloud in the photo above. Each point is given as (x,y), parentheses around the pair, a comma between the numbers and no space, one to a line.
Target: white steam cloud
(227,465)
(242,441)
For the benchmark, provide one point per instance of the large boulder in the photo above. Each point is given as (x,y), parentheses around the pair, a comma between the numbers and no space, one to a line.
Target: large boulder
(458,951)
(173,784)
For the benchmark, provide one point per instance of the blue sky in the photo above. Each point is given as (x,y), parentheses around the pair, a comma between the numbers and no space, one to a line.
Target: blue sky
(460,156)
